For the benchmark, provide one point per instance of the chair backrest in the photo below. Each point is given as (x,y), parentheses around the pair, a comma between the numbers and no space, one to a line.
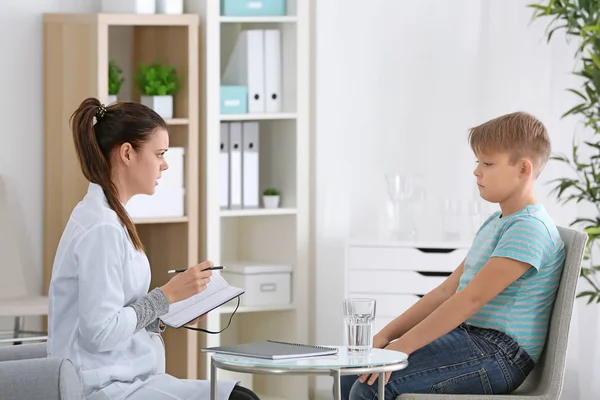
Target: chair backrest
(546,380)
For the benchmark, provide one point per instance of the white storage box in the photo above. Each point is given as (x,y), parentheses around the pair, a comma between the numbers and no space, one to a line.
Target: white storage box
(265,284)
(173,176)
(165,202)
(129,6)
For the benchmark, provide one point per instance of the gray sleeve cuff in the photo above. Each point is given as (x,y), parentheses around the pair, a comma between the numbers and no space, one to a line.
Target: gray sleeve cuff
(154,326)
(149,307)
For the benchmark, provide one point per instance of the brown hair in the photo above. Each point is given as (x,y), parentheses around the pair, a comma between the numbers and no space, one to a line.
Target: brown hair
(518,134)
(124,122)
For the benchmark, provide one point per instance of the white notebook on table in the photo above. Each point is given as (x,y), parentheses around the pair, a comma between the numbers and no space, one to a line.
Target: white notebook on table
(217,293)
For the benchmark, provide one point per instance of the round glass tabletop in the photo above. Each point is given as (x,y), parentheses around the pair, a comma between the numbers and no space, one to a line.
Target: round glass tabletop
(376,357)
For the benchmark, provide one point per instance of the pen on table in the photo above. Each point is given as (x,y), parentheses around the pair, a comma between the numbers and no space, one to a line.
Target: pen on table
(176,271)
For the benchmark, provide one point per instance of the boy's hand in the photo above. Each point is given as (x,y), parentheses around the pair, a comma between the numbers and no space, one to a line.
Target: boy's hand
(379,342)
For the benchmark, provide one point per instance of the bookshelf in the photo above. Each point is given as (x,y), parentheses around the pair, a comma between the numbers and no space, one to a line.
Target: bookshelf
(77,49)
(264,235)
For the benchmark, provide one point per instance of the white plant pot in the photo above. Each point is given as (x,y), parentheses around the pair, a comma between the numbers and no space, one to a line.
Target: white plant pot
(271,201)
(111,99)
(169,6)
(163,105)
(129,6)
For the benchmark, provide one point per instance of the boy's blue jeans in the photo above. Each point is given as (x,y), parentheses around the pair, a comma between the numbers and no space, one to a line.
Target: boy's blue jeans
(467,360)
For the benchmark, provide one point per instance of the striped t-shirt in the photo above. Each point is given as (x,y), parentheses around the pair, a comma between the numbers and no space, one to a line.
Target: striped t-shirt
(522,310)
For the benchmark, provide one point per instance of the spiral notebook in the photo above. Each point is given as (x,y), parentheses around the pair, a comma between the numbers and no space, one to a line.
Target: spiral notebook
(273,350)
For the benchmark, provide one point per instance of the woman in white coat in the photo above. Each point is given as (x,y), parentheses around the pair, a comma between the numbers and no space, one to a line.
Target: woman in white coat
(101,315)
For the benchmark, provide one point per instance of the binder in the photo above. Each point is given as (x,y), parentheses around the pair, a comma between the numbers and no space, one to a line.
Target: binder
(250,154)
(273,350)
(272,70)
(235,165)
(246,68)
(224,166)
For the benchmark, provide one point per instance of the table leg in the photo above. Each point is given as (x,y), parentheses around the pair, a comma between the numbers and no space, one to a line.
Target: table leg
(381,390)
(213,380)
(337,385)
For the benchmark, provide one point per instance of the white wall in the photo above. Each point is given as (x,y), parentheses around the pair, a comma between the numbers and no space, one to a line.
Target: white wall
(21,140)
(398,85)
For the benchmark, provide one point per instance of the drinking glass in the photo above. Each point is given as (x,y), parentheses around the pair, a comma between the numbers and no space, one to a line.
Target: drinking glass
(359,314)
(452,222)
(406,196)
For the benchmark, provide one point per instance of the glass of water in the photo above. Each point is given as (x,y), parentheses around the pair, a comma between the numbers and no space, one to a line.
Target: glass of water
(359,314)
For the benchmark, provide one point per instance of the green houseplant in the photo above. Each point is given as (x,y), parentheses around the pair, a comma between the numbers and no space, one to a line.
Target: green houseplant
(580,19)
(157,84)
(271,198)
(115,81)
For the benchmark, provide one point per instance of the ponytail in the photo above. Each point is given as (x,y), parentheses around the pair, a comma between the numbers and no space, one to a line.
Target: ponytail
(94,144)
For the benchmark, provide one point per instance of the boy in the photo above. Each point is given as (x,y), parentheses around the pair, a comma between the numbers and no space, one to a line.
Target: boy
(484,328)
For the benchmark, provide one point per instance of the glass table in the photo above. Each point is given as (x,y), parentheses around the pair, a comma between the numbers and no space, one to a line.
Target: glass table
(376,361)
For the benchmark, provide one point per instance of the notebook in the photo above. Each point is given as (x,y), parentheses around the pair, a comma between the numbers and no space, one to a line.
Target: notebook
(217,293)
(273,350)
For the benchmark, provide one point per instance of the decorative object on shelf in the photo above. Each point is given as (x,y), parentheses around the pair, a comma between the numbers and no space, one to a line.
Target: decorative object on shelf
(234,99)
(245,8)
(129,6)
(169,6)
(406,200)
(265,284)
(158,83)
(452,219)
(581,22)
(255,63)
(271,198)
(115,81)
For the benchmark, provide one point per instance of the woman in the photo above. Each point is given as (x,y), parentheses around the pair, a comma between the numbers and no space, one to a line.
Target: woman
(101,315)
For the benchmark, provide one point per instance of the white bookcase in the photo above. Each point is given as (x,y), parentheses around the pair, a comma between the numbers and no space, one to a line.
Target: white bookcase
(262,235)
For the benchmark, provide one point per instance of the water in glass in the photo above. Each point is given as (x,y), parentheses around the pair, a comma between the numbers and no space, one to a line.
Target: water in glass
(359,315)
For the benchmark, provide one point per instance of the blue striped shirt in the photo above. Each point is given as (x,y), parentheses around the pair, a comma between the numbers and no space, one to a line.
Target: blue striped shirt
(522,310)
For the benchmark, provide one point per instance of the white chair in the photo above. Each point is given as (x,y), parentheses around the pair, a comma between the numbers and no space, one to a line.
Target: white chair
(546,380)
(16,300)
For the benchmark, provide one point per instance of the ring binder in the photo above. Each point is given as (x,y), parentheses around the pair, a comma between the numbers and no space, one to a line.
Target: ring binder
(273,350)
(303,345)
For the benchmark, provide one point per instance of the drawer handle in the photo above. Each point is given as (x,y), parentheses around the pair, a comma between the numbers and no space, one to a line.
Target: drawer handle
(268,287)
(435,250)
(428,273)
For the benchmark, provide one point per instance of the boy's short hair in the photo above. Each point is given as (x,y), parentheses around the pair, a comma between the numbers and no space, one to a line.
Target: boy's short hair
(518,134)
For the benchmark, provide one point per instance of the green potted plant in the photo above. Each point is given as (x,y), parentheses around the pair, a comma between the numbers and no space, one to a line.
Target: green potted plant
(271,198)
(580,19)
(158,83)
(115,81)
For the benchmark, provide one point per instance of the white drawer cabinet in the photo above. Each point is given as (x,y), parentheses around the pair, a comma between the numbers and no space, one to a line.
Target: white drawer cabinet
(398,274)
(404,258)
(390,282)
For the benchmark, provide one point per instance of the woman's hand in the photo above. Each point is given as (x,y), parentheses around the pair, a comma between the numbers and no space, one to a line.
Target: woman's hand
(188,283)
(379,342)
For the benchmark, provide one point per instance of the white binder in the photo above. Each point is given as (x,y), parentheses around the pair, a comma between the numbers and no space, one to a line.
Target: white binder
(235,165)
(246,67)
(272,70)
(250,153)
(224,166)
